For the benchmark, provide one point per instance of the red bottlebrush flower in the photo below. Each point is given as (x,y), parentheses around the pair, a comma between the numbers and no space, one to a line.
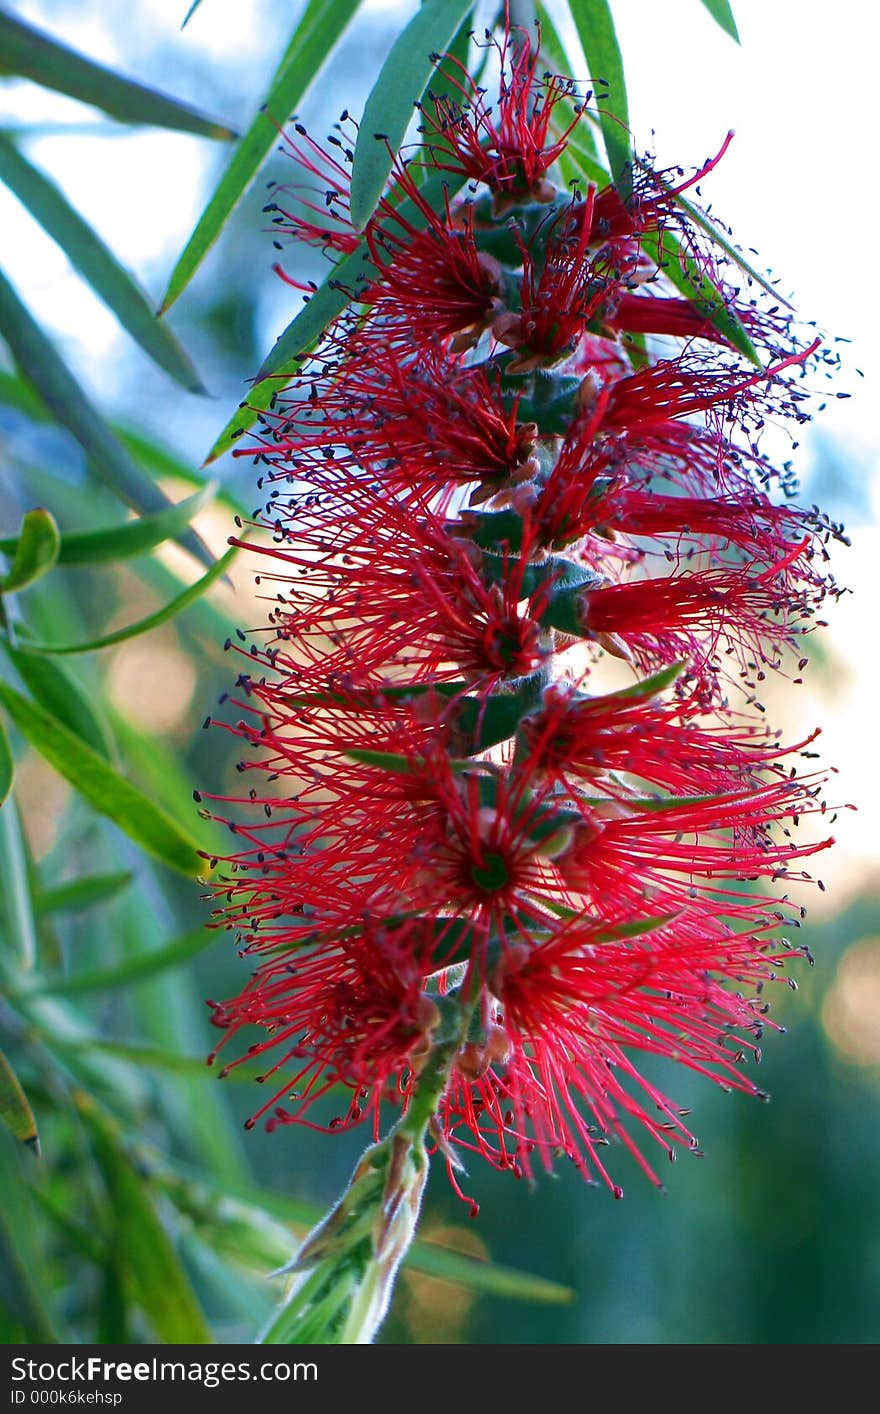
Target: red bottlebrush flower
(697,617)
(560,293)
(435,283)
(350,1011)
(509,146)
(421,429)
(652,206)
(679,388)
(328,220)
(575,1009)
(451,859)
(395,598)
(577,738)
(673,851)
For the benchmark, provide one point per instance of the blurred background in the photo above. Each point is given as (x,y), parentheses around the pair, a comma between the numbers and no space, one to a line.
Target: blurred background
(151,1214)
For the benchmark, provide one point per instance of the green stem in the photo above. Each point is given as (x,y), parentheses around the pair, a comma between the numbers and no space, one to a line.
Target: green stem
(348,1264)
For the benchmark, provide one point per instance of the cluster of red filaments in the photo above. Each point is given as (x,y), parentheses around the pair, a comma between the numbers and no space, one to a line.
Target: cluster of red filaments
(486,490)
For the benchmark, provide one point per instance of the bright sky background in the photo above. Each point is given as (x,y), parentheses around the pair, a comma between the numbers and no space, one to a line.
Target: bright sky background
(796,185)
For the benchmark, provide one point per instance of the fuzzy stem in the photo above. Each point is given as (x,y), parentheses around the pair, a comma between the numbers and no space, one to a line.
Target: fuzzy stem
(348,1264)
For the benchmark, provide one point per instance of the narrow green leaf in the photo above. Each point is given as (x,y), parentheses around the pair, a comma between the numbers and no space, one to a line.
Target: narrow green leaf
(659,803)
(579,161)
(314,39)
(36,551)
(302,333)
(651,686)
(134,537)
(239,1232)
(723,15)
(56,689)
(160,459)
(82,1238)
(15,891)
(43,366)
(165,777)
(553,54)
(96,263)
(408,765)
(624,931)
(684,272)
(31,53)
(14,1108)
(321,308)
(190,12)
(385,761)
(402,80)
(338,290)
(158,1282)
(595,28)
(7,765)
(150,1058)
(81,894)
(108,792)
(487,1277)
(134,969)
(700,219)
(560,910)
(161,616)
(24,1289)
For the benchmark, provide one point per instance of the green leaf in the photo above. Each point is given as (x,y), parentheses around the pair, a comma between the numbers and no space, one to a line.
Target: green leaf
(160,459)
(624,931)
(238,1232)
(15,884)
(134,969)
(14,1108)
(109,793)
(166,777)
(402,80)
(190,12)
(408,765)
(314,39)
(651,686)
(161,616)
(81,894)
(134,537)
(595,28)
(24,1288)
(96,263)
(7,765)
(304,331)
(31,53)
(723,15)
(152,1268)
(553,51)
(43,366)
(487,1277)
(35,552)
(56,689)
(700,219)
(576,162)
(148,1058)
(684,272)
